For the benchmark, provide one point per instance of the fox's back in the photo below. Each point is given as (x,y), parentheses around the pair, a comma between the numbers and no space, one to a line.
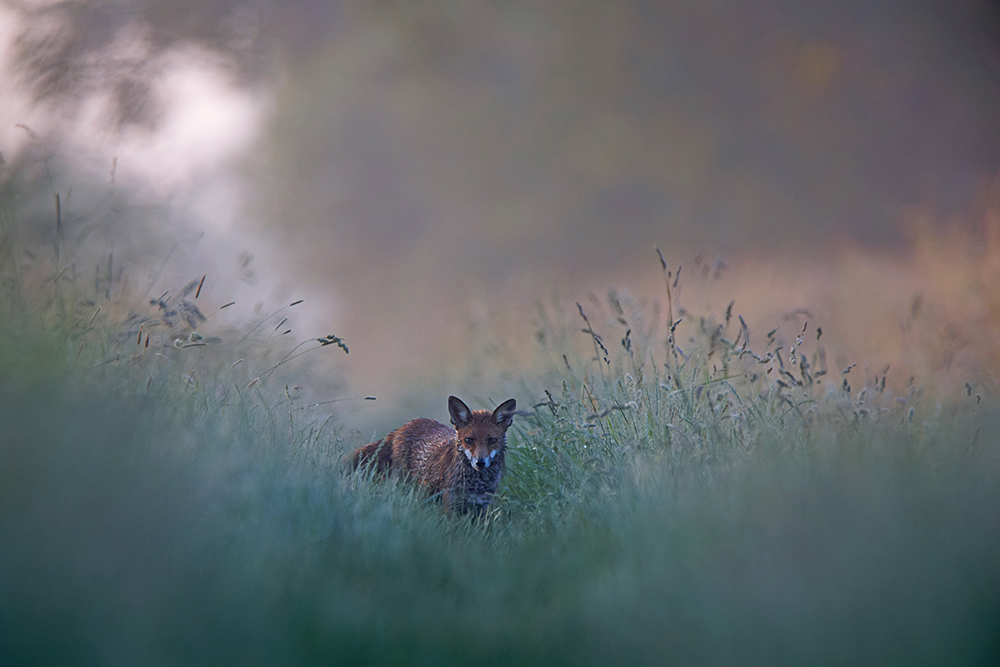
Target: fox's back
(414,443)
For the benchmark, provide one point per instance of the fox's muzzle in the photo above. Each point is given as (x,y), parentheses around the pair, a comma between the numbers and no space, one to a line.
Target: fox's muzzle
(480,462)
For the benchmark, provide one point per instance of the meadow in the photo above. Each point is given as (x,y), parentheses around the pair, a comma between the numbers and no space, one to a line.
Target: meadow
(682,490)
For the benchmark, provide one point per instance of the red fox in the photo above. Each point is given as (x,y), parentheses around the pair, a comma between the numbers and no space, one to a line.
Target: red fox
(463,464)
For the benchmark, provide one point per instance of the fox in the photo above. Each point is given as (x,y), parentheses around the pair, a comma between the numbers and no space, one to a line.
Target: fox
(463,464)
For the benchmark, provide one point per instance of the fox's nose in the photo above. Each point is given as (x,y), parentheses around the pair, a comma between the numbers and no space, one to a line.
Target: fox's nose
(481,463)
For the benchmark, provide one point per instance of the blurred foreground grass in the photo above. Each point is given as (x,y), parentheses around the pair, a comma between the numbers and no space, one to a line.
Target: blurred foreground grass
(717,504)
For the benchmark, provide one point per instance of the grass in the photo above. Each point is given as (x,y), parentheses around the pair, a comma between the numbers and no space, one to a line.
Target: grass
(674,497)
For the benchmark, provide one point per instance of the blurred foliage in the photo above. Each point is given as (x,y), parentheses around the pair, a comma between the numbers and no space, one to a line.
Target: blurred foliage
(446,159)
(727,123)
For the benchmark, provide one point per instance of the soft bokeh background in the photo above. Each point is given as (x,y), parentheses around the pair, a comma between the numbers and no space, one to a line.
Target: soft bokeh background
(424,173)
(450,186)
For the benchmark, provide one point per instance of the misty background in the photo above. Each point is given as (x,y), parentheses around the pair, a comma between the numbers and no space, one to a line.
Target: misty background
(423,173)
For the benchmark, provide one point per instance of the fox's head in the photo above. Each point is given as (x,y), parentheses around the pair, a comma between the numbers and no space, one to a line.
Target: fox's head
(481,434)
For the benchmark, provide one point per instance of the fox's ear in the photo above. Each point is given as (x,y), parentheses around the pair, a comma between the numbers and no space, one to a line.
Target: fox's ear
(504,414)
(460,413)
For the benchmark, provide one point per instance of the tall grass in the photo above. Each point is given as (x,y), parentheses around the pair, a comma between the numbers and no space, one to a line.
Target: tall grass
(701,494)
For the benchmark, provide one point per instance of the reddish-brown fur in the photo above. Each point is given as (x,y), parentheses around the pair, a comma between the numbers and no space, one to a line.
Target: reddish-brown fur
(464,464)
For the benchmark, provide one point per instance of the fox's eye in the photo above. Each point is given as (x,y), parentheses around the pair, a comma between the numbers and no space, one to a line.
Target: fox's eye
(491,441)
(470,440)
